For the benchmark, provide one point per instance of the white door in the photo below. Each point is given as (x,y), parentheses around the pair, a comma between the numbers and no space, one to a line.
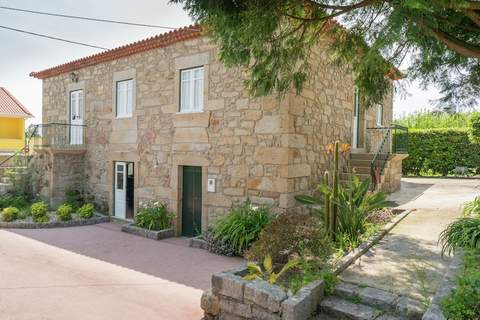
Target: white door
(356,119)
(120,189)
(76,117)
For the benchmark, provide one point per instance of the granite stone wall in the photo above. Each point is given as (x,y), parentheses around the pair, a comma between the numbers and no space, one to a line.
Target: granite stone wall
(265,149)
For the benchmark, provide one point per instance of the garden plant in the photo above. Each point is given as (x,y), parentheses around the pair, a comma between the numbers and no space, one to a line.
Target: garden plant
(154,216)
(86,211)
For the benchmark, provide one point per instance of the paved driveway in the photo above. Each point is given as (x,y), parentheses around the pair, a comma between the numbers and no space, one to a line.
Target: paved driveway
(98,272)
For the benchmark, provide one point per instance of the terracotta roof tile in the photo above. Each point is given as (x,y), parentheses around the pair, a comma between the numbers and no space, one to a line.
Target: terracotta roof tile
(158,41)
(9,106)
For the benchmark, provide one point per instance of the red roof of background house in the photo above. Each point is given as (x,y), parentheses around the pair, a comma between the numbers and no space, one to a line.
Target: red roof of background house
(158,41)
(9,106)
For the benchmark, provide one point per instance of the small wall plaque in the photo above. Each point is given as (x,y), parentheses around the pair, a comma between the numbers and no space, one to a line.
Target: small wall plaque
(211,185)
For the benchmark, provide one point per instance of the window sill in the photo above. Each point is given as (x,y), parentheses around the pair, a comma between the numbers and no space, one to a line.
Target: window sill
(124,117)
(190,112)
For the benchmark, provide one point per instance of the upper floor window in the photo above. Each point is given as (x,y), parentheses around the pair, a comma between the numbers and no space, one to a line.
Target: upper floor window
(124,99)
(191,90)
(380,115)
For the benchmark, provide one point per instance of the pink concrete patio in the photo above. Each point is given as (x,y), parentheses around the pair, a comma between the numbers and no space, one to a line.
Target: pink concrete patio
(98,272)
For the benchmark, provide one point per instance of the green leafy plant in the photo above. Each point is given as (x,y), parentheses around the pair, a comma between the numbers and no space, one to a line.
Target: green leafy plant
(241,226)
(64,212)
(435,120)
(74,198)
(86,211)
(474,127)
(439,151)
(24,213)
(267,273)
(23,180)
(355,201)
(462,233)
(463,303)
(155,217)
(39,211)
(471,208)
(9,214)
(292,235)
(12,201)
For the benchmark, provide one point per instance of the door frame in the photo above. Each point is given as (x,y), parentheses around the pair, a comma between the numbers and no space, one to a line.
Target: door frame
(177,185)
(357,123)
(114,186)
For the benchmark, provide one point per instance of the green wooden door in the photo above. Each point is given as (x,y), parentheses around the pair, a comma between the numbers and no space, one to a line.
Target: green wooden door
(192,201)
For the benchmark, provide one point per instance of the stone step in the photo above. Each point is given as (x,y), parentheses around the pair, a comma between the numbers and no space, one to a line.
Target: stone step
(358,170)
(4,188)
(347,176)
(340,309)
(362,156)
(359,163)
(5,180)
(373,297)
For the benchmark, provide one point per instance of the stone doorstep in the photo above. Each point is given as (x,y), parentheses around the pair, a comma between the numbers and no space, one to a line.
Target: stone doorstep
(198,242)
(150,234)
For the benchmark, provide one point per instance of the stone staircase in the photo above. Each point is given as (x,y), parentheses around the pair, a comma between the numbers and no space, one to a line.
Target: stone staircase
(5,185)
(361,162)
(359,302)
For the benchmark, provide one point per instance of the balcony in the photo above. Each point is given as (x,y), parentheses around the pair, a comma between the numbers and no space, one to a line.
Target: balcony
(59,137)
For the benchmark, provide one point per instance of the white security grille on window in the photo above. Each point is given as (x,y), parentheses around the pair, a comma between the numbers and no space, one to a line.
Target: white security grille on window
(124,98)
(191,90)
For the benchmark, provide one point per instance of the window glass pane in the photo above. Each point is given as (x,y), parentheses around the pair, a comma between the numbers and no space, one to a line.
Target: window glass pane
(198,95)
(185,91)
(119,180)
(80,104)
(121,98)
(129,98)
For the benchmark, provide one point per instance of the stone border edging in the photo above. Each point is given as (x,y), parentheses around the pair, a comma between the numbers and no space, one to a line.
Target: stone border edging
(198,242)
(98,218)
(359,251)
(434,311)
(149,234)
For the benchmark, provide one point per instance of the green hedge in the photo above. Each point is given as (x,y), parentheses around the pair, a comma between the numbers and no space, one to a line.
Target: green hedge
(439,151)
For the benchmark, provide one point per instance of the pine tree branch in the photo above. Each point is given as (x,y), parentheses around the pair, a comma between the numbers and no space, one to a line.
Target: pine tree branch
(461,47)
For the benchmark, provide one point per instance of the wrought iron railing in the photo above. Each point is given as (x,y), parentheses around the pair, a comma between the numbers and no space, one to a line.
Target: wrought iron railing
(394,141)
(63,136)
(20,157)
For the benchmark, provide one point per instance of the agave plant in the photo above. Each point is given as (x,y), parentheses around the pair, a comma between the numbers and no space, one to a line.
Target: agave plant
(267,273)
(472,207)
(462,233)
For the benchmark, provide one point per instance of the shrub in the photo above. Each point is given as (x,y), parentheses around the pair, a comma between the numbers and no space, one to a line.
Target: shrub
(13,201)
(464,301)
(23,213)
(429,120)
(218,245)
(74,198)
(440,151)
(39,211)
(154,217)
(9,214)
(64,212)
(291,235)
(267,272)
(23,180)
(471,208)
(474,127)
(462,233)
(86,211)
(241,226)
(380,216)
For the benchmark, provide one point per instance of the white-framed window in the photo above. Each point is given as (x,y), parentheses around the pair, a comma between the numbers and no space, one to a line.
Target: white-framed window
(380,115)
(191,90)
(124,107)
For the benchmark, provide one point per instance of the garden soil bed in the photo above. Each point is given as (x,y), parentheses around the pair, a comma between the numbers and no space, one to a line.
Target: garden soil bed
(150,234)
(28,223)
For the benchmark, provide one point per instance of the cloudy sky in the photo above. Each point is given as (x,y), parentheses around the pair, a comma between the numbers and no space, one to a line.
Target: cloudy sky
(21,53)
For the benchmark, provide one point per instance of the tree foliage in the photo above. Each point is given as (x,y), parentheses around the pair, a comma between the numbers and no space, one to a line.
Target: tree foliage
(439,40)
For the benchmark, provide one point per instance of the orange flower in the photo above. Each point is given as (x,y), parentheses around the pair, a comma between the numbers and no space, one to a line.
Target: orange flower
(345,148)
(329,148)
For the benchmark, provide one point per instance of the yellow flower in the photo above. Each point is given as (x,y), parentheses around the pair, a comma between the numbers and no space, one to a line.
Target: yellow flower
(329,148)
(345,148)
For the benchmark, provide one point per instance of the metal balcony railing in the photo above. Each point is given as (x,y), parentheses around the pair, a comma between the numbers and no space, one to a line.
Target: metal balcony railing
(60,136)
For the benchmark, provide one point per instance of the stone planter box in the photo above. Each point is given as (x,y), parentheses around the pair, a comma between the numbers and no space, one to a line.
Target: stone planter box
(150,234)
(97,218)
(198,242)
(232,297)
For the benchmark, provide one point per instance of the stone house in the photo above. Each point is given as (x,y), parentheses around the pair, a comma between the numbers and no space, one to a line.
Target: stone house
(164,119)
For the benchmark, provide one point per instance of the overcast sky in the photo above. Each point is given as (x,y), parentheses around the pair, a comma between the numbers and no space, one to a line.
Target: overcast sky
(20,53)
